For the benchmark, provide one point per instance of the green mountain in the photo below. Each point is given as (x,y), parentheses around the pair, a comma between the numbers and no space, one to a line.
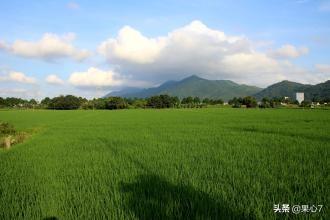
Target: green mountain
(289,89)
(319,91)
(281,89)
(194,86)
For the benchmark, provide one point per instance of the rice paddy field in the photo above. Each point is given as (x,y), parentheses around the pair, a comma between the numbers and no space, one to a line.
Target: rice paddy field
(166,164)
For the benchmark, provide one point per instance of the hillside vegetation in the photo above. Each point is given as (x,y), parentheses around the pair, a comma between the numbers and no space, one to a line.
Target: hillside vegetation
(289,89)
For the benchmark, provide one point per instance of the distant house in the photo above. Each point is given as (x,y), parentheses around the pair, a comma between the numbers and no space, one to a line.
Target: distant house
(300,97)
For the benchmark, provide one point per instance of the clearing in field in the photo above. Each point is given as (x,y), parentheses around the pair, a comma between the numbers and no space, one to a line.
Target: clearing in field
(165,164)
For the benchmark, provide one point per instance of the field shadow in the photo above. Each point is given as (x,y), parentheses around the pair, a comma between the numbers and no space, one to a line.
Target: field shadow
(50,218)
(152,197)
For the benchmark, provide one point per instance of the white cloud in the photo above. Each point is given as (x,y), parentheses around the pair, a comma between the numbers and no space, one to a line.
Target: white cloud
(323,68)
(95,77)
(19,77)
(54,80)
(20,93)
(289,51)
(98,78)
(50,47)
(131,45)
(73,6)
(3,45)
(198,49)
(257,66)
(12,92)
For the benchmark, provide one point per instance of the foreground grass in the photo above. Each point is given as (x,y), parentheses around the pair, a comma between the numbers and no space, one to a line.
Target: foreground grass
(169,164)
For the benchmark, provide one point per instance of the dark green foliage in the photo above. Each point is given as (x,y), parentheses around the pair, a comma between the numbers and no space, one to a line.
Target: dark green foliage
(276,102)
(249,102)
(139,103)
(208,101)
(162,101)
(6,129)
(99,103)
(67,102)
(196,100)
(191,102)
(187,100)
(236,102)
(265,103)
(33,102)
(46,101)
(115,103)
(11,102)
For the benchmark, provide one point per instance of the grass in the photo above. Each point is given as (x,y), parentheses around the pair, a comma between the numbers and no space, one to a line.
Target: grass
(166,164)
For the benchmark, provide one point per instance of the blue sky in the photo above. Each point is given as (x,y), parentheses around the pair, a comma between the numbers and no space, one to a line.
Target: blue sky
(253,42)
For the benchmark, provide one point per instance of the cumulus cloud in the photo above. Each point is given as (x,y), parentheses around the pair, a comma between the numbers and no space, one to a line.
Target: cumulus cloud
(18,77)
(50,47)
(131,45)
(54,80)
(200,50)
(289,51)
(20,92)
(95,77)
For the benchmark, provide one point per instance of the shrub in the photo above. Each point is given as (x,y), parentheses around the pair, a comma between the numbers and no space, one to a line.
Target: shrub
(6,129)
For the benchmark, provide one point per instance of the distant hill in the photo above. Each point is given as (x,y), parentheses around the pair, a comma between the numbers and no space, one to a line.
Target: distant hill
(193,86)
(289,89)
(281,89)
(319,91)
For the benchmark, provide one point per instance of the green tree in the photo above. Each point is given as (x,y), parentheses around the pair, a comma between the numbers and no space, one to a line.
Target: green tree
(65,102)
(116,103)
(196,100)
(250,102)
(235,102)
(206,101)
(265,103)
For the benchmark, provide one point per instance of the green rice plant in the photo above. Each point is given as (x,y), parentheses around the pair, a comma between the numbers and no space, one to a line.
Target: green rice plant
(166,164)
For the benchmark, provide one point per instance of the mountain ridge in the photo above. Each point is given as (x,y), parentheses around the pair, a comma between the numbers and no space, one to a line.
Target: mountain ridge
(193,86)
(227,89)
(289,89)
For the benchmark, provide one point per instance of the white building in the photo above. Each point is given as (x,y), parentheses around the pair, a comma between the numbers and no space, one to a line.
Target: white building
(300,97)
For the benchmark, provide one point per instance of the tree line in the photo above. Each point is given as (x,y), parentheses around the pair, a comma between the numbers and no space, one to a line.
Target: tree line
(70,102)
(275,102)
